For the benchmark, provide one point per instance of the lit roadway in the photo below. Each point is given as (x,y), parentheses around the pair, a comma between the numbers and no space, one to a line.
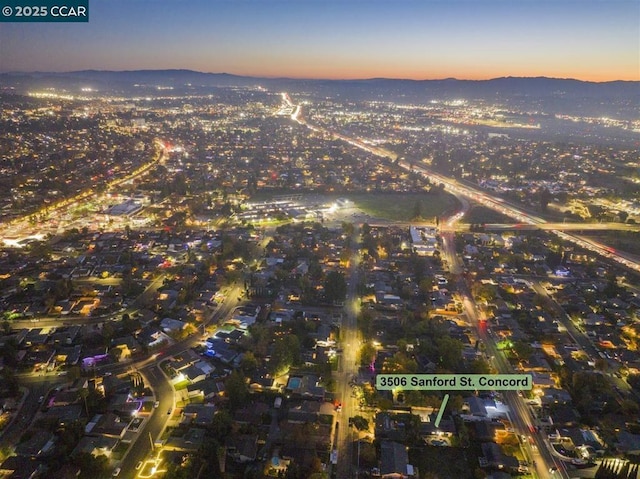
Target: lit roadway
(348,368)
(520,415)
(152,427)
(540,451)
(24,229)
(607,226)
(506,208)
(481,197)
(163,390)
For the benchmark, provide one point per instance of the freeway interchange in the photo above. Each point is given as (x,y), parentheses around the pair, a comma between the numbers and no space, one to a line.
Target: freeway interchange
(543,458)
(537,449)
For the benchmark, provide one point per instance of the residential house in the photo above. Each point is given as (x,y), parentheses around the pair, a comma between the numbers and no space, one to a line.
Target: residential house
(20,467)
(198,414)
(394,461)
(96,445)
(108,425)
(191,441)
(39,444)
(242,447)
(495,458)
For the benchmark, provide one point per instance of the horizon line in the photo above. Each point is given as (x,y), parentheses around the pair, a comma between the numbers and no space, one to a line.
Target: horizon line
(268,77)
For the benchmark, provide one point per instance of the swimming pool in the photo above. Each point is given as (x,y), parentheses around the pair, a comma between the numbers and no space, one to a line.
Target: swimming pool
(294,383)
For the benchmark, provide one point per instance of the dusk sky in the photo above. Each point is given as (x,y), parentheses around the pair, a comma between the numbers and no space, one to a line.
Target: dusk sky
(597,40)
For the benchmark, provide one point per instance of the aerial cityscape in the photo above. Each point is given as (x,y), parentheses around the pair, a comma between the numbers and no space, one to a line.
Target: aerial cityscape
(321,239)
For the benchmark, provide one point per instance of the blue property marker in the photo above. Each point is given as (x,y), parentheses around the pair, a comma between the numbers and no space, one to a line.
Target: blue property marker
(441,410)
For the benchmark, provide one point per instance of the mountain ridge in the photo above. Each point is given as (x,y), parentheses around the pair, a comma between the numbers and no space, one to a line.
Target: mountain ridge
(186,71)
(617,98)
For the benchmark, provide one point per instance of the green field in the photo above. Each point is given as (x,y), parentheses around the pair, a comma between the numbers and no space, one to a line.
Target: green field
(381,205)
(402,206)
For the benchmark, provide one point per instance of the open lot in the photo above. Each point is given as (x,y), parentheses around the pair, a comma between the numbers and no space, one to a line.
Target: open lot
(402,206)
(371,206)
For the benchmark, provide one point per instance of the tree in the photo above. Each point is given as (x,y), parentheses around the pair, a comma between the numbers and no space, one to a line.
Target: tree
(602,364)
(335,287)
(545,197)
(426,286)
(449,352)
(9,355)
(478,473)
(484,292)
(479,366)
(348,228)
(116,354)
(456,403)
(368,458)
(367,353)
(259,339)
(130,324)
(108,332)
(249,362)
(91,466)
(180,471)
(236,389)
(400,363)
(523,350)
(10,384)
(316,465)
(286,353)
(221,425)
(365,323)
(360,423)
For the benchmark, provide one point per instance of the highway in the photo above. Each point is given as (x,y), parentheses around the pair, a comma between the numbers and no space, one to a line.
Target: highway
(520,415)
(464,227)
(606,226)
(546,465)
(513,211)
(17,229)
(495,203)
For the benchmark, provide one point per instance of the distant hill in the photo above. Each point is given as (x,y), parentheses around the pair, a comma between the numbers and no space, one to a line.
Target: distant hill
(118,80)
(548,93)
